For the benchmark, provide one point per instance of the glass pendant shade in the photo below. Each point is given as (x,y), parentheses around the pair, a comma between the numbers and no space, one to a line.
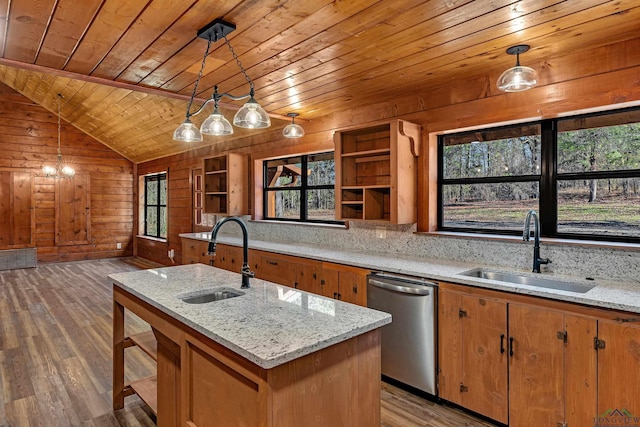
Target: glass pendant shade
(49,171)
(216,125)
(293,131)
(517,79)
(252,116)
(187,132)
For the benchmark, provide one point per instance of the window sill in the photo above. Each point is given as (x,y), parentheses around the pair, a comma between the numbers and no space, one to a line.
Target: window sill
(544,240)
(344,226)
(154,239)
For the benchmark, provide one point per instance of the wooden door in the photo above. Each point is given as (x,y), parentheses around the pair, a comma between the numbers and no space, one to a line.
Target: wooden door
(580,366)
(329,282)
(619,371)
(484,357)
(450,346)
(536,367)
(17,213)
(278,269)
(307,277)
(353,287)
(73,218)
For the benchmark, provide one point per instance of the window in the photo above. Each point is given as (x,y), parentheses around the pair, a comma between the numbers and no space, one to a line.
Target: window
(582,174)
(300,188)
(155,205)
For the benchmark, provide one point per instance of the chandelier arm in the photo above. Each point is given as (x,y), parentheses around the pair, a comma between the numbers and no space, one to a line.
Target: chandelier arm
(195,87)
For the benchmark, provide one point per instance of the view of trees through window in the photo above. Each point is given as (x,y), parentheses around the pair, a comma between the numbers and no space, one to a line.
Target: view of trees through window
(300,188)
(155,207)
(490,178)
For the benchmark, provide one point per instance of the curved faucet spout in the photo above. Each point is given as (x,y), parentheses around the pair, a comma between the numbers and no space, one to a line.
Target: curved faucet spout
(246,271)
(526,236)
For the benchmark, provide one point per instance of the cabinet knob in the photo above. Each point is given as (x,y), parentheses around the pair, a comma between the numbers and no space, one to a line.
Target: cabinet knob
(355,289)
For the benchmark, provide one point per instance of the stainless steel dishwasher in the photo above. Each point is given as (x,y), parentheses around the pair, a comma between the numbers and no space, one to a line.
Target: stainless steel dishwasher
(408,342)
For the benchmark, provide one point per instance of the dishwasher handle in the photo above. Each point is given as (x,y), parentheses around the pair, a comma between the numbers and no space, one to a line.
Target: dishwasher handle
(414,290)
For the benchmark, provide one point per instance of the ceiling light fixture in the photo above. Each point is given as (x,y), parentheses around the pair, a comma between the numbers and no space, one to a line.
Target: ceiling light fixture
(60,170)
(292,130)
(518,78)
(250,116)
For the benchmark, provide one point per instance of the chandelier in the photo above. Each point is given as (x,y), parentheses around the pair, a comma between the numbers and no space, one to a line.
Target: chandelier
(250,116)
(60,170)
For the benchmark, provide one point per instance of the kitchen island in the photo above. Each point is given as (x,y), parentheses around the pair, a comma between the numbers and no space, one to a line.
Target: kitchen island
(272,356)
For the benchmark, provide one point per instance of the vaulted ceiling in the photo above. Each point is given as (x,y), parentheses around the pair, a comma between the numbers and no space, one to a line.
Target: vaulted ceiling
(127,68)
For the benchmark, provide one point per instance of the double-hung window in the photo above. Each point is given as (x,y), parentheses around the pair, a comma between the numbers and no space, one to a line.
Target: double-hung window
(582,175)
(155,205)
(300,188)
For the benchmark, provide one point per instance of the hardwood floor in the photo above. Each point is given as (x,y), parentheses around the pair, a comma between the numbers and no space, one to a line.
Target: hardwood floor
(55,354)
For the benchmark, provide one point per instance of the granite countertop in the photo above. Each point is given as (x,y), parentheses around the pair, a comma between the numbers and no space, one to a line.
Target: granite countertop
(269,325)
(607,294)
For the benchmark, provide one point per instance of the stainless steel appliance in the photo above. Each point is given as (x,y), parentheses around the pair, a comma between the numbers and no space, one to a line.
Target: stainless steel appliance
(408,342)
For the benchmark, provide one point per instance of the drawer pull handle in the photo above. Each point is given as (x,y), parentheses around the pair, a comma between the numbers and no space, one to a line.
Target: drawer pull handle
(511,346)
(502,350)
(272,263)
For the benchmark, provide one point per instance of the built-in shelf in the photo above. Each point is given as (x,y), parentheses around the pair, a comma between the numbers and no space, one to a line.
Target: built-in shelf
(225,181)
(147,390)
(146,341)
(376,172)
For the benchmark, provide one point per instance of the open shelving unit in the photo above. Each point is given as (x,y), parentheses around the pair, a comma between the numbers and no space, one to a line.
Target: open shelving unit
(376,172)
(145,388)
(225,180)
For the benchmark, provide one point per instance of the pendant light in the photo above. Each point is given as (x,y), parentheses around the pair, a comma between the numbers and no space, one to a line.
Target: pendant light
(60,170)
(292,130)
(518,78)
(250,116)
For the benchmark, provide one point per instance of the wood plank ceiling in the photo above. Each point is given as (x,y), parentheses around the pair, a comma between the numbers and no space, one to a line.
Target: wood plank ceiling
(126,68)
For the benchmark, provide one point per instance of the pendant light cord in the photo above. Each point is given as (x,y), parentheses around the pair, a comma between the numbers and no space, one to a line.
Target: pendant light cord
(195,87)
(59,129)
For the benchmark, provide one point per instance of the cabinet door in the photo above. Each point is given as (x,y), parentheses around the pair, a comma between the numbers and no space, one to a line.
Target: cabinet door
(353,287)
(536,367)
(307,277)
(484,358)
(619,371)
(191,250)
(278,269)
(450,346)
(580,367)
(16,210)
(329,282)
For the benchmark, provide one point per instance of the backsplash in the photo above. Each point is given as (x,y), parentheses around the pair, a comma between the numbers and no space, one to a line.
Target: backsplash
(573,260)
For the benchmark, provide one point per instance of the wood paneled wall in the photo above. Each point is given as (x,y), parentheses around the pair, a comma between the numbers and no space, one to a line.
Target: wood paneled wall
(601,78)
(28,139)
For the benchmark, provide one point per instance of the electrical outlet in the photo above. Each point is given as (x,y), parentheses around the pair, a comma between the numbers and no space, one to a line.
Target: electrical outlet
(118,245)
(170,253)
(381,233)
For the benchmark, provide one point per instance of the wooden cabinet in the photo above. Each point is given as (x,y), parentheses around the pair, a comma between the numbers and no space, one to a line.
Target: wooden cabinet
(73,213)
(516,359)
(228,257)
(473,357)
(225,184)
(376,172)
(619,368)
(343,282)
(299,273)
(17,210)
(194,251)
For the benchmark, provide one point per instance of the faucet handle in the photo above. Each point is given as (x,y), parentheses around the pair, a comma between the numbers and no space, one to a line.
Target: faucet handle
(246,271)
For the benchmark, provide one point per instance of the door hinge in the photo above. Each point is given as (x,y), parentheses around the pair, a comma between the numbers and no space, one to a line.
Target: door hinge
(598,343)
(562,335)
(463,388)
(462,313)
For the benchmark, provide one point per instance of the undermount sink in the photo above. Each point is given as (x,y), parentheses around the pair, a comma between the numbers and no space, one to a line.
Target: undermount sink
(519,279)
(211,295)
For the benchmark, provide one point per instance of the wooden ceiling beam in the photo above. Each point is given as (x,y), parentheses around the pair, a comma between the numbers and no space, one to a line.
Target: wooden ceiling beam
(123,85)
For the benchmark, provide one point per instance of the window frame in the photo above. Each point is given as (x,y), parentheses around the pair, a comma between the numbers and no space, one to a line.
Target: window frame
(303,189)
(161,176)
(547,179)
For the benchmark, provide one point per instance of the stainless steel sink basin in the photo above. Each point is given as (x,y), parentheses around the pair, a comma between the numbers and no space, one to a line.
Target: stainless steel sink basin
(519,279)
(210,295)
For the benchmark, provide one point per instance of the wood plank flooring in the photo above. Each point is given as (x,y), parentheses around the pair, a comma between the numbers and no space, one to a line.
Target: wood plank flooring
(55,354)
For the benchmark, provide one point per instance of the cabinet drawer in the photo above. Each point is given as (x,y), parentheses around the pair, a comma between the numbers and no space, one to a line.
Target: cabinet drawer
(277,270)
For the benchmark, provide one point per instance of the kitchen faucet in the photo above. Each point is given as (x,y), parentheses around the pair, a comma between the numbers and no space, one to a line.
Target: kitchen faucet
(526,235)
(246,271)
